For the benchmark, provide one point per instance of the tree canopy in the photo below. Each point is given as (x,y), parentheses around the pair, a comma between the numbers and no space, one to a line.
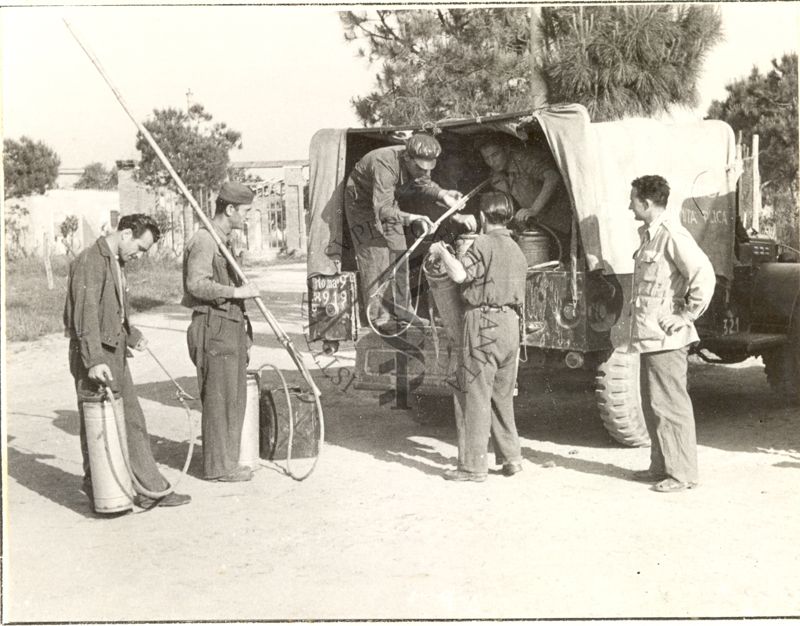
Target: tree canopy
(197,148)
(766,104)
(29,167)
(622,61)
(96,176)
(616,61)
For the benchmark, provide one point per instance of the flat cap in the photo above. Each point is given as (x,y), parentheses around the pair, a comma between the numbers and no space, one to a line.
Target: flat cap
(235,193)
(424,149)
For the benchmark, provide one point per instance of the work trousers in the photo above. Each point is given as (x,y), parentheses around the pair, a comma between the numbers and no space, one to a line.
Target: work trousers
(668,414)
(485,395)
(218,348)
(139,451)
(376,253)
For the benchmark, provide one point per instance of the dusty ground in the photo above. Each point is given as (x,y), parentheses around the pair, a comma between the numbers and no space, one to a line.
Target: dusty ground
(376,532)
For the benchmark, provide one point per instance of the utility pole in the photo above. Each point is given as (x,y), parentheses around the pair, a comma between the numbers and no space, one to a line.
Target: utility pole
(189,95)
(538,86)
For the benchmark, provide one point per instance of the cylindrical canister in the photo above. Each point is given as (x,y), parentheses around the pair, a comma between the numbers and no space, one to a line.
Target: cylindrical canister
(248,444)
(535,245)
(112,488)
(447,297)
(277,409)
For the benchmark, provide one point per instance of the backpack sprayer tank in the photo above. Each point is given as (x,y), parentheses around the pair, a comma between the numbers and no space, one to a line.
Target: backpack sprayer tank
(447,297)
(112,487)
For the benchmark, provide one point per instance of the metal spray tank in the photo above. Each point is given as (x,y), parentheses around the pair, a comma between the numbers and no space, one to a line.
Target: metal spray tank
(112,486)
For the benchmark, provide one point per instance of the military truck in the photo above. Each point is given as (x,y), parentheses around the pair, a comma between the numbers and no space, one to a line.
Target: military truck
(576,313)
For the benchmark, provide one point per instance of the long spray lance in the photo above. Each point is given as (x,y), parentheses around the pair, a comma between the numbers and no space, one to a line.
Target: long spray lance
(282,337)
(280,334)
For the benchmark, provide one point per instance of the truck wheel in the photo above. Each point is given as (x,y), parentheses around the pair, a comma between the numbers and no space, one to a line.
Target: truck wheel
(782,365)
(617,395)
(432,410)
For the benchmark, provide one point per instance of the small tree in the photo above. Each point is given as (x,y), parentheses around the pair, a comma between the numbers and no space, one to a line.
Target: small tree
(15,218)
(29,167)
(96,176)
(766,104)
(196,147)
(68,228)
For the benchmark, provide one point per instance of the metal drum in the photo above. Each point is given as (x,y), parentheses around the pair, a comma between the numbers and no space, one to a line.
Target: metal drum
(535,245)
(447,296)
(278,406)
(248,444)
(112,488)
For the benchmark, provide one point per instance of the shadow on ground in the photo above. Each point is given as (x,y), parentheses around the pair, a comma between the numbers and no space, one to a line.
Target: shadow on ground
(32,471)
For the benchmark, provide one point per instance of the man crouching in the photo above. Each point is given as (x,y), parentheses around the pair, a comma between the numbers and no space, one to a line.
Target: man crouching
(492,273)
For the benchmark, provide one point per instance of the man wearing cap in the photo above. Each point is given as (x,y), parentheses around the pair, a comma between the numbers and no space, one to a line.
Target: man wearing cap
(219,335)
(378,183)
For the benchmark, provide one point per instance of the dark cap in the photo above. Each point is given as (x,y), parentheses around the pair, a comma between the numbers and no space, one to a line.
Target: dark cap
(424,149)
(235,193)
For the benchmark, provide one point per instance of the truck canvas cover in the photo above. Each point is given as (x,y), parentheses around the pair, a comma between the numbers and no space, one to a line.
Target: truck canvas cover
(598,161)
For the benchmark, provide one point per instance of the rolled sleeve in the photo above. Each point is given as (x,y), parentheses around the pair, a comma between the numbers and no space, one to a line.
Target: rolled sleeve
(474,265)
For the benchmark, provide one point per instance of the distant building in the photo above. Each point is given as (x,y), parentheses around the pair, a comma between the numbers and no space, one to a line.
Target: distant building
(96,212)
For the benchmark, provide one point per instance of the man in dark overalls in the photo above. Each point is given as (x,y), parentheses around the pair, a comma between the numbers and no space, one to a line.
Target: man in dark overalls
(96,319)
(378,183)
(219,335)
(492,273)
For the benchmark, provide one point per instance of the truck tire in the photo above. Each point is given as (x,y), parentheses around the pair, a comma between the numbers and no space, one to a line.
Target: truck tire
(432,410)
(782,365)
(618,400)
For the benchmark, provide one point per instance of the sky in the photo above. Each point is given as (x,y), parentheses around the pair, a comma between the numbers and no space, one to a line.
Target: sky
(277,74)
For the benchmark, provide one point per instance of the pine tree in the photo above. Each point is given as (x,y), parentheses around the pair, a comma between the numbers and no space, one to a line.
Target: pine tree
(616,61)
(628,60)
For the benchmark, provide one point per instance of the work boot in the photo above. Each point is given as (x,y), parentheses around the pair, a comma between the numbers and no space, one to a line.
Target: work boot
(509,469)
(647,476)
(460,475)
(172,499)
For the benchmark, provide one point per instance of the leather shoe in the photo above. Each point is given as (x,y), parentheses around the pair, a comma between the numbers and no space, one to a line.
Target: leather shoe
(646,476)
(463,476)
(172,499)
(239,475)
(671,485)
(509,469)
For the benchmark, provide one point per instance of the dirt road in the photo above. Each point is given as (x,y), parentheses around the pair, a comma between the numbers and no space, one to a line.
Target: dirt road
(376,532)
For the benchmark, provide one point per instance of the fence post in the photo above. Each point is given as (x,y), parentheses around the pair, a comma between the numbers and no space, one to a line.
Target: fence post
(294,209)
(48,268)
(756,187)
